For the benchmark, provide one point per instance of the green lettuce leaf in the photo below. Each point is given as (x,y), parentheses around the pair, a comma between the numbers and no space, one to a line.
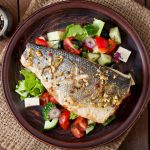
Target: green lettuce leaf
(91,29)
(30,86)
(76,31)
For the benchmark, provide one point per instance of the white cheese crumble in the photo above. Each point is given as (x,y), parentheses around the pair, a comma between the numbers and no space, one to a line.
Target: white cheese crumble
(33,101)
(124,54)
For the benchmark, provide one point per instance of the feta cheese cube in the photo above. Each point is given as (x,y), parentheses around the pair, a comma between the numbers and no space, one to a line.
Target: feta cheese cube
(124,54)
(33,101)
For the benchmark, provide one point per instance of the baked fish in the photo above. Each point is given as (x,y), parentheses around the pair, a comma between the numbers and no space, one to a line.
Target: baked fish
(85,88)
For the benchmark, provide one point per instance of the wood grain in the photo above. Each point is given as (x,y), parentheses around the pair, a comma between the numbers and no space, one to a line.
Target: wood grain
(142,2)
(137,139)
(12,7)
(23,5)
(148,4)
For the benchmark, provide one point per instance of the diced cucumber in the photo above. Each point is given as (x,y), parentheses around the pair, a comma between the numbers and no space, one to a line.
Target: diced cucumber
(89,129)
(104,59)
(93,57)
(96,49)
(114,34)
(109,120)
(90,122)
(50,124)
(53,44)
(55,36)
(99,24)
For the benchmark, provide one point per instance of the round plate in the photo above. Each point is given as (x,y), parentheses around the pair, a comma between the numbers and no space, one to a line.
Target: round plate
(57,17)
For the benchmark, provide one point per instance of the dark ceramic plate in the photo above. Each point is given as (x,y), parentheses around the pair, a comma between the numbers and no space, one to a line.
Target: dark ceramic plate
(57,17)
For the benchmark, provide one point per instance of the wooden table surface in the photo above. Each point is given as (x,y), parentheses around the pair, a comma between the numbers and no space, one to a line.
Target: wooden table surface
(138,137)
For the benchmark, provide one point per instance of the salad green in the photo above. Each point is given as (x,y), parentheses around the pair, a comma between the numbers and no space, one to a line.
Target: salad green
(91,29)
(47,109)
(76,31)
(29,86)
(109,120)
(73,116)
(91,41)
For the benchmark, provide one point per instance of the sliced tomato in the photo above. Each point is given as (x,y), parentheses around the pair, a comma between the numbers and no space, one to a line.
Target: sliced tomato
(53,100)
(41,42)
(89,49)
(102,44)
(68,46)
(111,47)
(76,132)
(45,98)
(64,121)
(81,123)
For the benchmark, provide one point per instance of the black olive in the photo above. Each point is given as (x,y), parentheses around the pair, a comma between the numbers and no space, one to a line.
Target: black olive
(76,42)
(114,66)
(105,33)
(60,45)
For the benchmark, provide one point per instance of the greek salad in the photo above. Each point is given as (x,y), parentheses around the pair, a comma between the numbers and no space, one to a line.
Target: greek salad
(89,41)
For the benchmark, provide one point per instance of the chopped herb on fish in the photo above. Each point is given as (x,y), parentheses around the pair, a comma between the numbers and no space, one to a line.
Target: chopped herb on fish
(83,76)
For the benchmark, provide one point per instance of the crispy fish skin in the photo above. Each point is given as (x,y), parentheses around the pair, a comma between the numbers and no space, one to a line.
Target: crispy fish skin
(87,89)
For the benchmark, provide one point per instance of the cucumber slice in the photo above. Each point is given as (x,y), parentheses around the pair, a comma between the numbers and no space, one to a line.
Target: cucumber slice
(90,122)
(50,124)
(99,24)
(96,49)
(114,34)
(89,129)
(93,57)
(55,36)
(104,59)
(53,44)
(109,120)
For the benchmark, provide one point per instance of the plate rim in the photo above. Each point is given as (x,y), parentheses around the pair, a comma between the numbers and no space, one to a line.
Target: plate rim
(128,123)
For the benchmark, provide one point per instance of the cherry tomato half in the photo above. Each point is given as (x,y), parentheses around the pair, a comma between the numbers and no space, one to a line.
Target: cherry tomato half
(102,44)
(45,98)
(53,100)
(76,132)
(81,123)
(41,42)
(64,121)
(111,46)
(69,47)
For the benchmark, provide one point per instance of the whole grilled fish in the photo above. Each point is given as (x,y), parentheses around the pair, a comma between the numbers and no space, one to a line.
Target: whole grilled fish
(85,88)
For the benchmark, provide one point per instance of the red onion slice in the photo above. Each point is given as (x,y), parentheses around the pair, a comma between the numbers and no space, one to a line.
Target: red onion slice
(90,42)
(117,55)
(54,113)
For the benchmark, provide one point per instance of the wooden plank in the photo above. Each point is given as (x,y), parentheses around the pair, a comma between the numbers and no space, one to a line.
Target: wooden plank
(137,139)
(142,2)
(148,4)
(23,5)
(11,6)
